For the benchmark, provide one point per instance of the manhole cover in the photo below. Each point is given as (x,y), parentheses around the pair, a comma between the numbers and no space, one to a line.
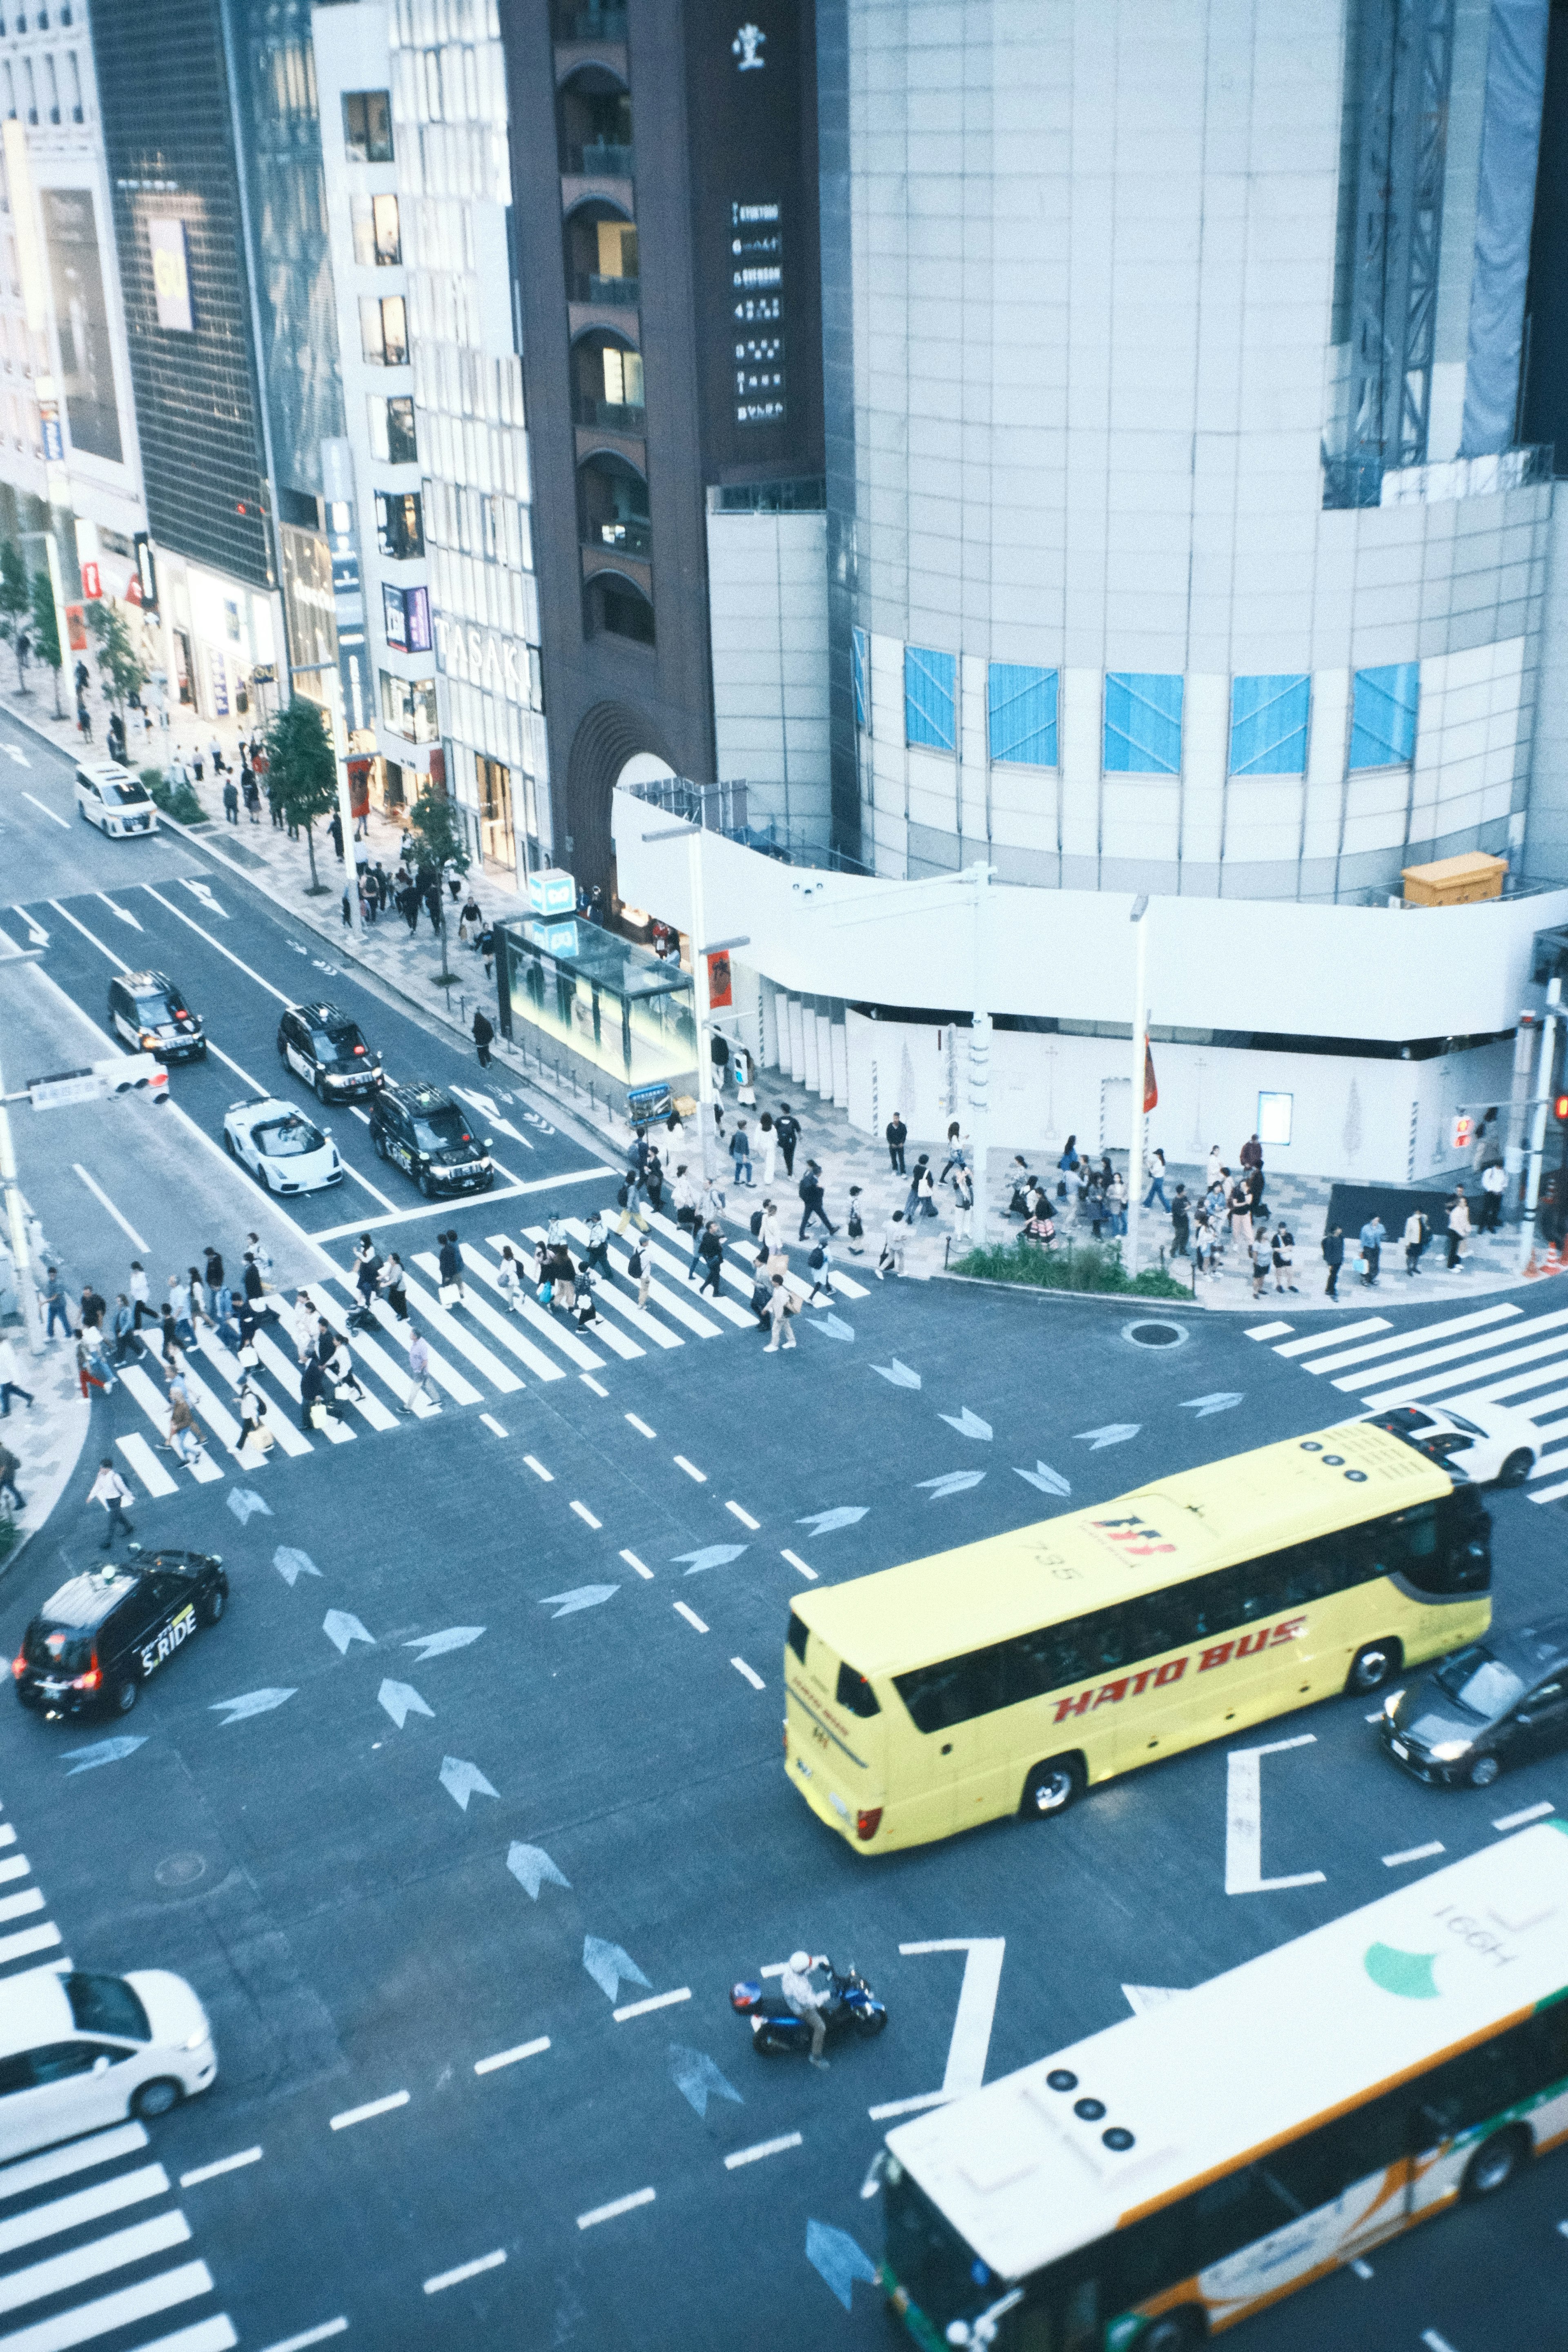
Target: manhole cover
(180,1869)
(1154,1335)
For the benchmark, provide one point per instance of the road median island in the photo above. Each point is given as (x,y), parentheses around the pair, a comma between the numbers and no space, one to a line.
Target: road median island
(1085,1271)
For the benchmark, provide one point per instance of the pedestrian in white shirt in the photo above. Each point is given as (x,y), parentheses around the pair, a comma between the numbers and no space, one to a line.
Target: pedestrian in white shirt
(509,1280)
(110,1489)
(895,1234)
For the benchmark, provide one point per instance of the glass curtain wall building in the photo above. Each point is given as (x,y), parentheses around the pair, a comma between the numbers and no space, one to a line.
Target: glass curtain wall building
(471,518)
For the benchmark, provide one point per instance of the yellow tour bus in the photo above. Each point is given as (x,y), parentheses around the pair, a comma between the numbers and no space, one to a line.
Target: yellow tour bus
(1159,2180)
(1006,1675)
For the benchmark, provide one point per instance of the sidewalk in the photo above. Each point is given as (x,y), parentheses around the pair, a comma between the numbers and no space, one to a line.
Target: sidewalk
(46,1437)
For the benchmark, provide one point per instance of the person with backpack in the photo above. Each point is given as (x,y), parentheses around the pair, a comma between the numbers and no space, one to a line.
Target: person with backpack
(740,1153)
(819,1264)
(597,1255)
(782,1308)
(583,1305)
(854,1229)
(786,1126)
(629,1201)
(640,1272)
(710,1253)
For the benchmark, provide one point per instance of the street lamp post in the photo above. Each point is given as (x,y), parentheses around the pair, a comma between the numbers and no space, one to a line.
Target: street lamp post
(16,1223)
(1537,1145)
(702,949)
(1139,919)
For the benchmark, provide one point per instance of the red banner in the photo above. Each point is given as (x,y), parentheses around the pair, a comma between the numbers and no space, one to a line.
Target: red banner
(1151,1091)
(718,989)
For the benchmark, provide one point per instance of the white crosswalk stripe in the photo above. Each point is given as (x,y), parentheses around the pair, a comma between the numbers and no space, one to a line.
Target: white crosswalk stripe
(1497,1355)
(54,2250)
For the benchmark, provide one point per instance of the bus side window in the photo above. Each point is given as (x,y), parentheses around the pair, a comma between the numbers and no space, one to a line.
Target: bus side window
(1480,2082)
(1109,1634)
(1232,2213)
(797,1635)
(1312,1570)
(855,1693)
(1158,1622)
(955,1690)
(1315,2170)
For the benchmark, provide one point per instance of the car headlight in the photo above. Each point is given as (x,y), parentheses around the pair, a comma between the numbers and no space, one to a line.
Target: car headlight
(1449,1751)
(1390,1704)
(194,2040)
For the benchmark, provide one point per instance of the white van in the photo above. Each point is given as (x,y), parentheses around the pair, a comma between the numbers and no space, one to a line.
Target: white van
(112,798)
(78,2051)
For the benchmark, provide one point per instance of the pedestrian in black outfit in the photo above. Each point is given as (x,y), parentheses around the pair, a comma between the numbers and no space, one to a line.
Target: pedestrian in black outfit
(710,1250)
(810,1191)
(1333,1258)
(1180,1222)
(213,1266)
(898,1136)
(450,1261)
(336,830)
(786,1126)
(484,1037)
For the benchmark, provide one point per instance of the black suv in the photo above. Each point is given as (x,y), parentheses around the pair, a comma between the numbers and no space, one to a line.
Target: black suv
(1497,1702)
(96,1641)
(423,1130)
(325,1048)
(149,1013)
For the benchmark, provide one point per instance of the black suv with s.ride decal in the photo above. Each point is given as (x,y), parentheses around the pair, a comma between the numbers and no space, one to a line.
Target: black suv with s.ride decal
(96,1641)
(421,1128)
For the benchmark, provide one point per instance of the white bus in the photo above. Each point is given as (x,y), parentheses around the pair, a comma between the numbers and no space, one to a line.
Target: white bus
(1176,2172)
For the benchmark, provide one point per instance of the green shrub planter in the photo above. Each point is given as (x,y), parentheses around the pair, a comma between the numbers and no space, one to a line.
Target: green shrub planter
(1090,1267)
(178,801)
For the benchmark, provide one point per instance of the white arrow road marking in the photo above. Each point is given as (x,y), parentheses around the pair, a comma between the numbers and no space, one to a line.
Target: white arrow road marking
(898,1375)
(436,1646)
(462,1780)
(1221,1401)
(966,2052)
(123,913)
(203,897)
(292,1565)
(710,1556)
(532,1868)
(103,1751)
(1140,1998)
(1244,1819)
(952,1482)
(699,2079)
(827,1523)
(585,1596)
(967,1423)
(15,751)
(610,1967)
(483,1104)
(1048,1481)
(257,1702)
(1114,1432)
(401,1700)
(244,1503)
(37,935)
(340,1628)
(838,2259)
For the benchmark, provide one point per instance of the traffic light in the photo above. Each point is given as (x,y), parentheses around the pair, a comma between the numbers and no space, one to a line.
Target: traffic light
(1560,1108)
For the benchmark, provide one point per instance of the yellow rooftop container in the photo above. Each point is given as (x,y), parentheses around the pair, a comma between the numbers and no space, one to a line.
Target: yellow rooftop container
(1454,881)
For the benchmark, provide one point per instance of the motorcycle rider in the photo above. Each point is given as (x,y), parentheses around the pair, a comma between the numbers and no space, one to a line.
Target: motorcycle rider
(805,2001)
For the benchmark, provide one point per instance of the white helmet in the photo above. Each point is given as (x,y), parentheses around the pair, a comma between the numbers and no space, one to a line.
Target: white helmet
(800,1962)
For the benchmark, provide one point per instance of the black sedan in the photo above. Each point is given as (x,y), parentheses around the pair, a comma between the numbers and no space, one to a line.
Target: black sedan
(105,1633)
(1496,1703)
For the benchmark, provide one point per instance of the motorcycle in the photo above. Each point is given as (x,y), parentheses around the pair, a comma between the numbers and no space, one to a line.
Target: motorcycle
(851,2007)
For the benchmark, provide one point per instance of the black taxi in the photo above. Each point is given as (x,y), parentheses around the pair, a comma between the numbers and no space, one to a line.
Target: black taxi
(96,1641)
(150,1014)
(325,1048)
(422,1129)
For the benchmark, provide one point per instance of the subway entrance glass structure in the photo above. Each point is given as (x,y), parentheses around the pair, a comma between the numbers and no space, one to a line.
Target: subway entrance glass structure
(612,1001)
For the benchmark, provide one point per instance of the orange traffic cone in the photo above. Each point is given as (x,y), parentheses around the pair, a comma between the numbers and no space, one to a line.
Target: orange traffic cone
(1553,1261)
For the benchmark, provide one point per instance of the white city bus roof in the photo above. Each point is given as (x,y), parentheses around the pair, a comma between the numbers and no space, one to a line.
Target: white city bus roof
(1249,2059)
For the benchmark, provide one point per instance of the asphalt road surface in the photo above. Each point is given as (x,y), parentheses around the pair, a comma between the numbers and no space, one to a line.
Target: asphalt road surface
(466,1817)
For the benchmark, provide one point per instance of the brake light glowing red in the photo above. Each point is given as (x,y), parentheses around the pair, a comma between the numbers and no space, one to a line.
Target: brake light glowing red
(359,1049)
(92,1680)
(866,1824)
(19,1666)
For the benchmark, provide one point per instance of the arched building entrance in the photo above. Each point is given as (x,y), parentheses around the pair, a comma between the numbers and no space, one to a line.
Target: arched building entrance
(610,735)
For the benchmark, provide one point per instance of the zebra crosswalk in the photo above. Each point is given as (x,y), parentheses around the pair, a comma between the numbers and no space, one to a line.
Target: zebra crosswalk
(65,2280)
(486,1345)
(1500,1354)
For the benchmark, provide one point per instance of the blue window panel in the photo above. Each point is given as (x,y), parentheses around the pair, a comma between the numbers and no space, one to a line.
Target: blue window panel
(858,653)
(929,697)
(1382,723)
(1024,715)
(1268,726)
(1143,724)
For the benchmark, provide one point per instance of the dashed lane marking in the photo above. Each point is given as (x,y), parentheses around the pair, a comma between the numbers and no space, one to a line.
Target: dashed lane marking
(768,2148)
(225,2164)
(47,812)
(540,1471)
(1434,2342)
(613,2213)
(465,2270)
(690,1616)
(371,2107)
(590,1382)
(796,1561)
(101,1197)
(1413,1854)
(691,1469)
(633,1561)
(1530,1814)
(492,1422)
(750,1672)
(312,2335)
(510,2057)
(641,1425)
(658,2000)
(587,1516)
(745,1517)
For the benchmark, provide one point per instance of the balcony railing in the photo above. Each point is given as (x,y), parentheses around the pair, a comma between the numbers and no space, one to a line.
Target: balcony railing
(603,159)
(590,23)
(1367,482)
(612,416)
(624,293)
(628,535)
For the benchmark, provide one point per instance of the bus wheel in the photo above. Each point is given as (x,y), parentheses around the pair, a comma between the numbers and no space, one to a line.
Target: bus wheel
(1495,2163)
(1052,1787)
(1373,1665)
(1175,2331)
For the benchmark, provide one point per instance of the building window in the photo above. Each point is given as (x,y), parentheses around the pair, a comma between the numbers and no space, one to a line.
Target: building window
(1275,1113)
(29,89)
(609,385)
(1143,724)
(858,663)
(393,438)
(383,329)
(615,607)
(613,506)
(929,697)
(399,524)
(494,783)
(1268,726)
(405,619)
(51,90)
(378,243)
(73,84)
(1383,721)
(367,126)
(1023,715)
(408,706)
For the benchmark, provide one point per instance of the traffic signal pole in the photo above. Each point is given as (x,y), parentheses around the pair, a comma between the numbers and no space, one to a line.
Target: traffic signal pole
(1536,1152)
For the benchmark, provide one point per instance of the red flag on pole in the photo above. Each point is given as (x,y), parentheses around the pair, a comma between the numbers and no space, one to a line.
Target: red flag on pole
(1151,1091)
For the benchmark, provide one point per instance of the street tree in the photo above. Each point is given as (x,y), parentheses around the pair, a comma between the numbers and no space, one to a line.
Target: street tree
(302,769)
(16,600)
(46,631)
(118,666)
(438,843)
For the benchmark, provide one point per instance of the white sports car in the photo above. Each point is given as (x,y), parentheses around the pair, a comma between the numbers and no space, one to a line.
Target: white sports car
(1487,1443)
(280,1146)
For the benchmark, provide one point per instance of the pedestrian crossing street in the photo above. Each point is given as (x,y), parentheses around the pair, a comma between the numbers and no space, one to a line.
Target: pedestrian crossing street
(482,1350)
(65,2280)
(1500,1354)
